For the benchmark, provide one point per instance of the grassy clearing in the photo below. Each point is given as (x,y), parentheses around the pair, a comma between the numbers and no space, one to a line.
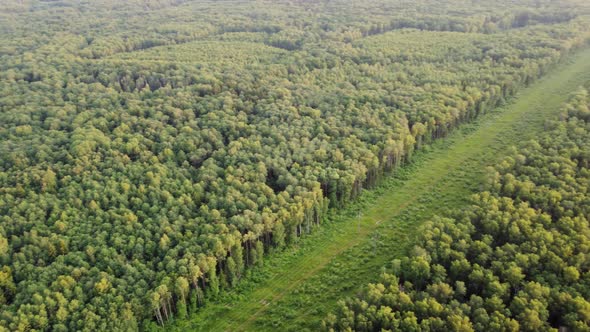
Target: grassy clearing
(297,287)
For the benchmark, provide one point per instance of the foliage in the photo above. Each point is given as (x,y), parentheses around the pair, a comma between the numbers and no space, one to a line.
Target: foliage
(147,144)
(517,259)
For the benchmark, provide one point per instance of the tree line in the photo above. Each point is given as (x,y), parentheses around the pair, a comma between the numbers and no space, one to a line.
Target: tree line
(138,182)
(517,260)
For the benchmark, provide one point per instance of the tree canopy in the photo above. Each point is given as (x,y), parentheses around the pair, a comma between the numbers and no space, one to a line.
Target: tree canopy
(151,151)
(517,260)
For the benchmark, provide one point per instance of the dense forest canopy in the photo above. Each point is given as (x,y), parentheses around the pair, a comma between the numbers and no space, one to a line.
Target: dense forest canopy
(517,260)
(150,151)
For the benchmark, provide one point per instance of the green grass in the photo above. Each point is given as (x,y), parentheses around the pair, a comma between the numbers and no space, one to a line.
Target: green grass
(296,288)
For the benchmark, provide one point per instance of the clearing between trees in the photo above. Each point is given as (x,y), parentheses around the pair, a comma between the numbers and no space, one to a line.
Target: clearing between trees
(296,288)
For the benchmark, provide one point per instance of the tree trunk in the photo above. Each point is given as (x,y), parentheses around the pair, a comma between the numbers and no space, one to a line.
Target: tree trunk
(159,316)
(165,311)
(169,306)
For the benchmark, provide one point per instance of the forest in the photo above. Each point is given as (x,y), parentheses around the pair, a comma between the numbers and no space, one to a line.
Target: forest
(517,260)
(153,151)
